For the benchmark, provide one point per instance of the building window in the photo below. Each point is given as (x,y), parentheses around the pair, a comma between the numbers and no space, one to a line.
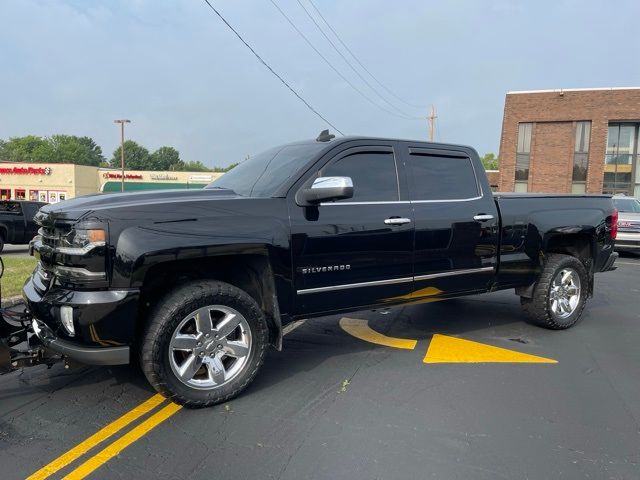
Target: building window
(523,154)
(581,157)
(5,194)
(621,169)
(20,194)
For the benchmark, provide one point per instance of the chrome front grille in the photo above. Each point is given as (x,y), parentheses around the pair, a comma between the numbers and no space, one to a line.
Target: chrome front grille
(51,235)
(42,279)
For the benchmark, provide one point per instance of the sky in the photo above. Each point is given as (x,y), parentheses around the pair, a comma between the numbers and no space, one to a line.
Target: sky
(185,80)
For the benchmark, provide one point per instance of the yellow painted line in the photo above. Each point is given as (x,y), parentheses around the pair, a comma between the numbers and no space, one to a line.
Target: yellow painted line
(360,329)
(445,349)
(123,442)
(292,326)
(98,437)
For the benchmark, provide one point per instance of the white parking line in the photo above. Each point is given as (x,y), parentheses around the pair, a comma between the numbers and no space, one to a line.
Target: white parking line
(628,263)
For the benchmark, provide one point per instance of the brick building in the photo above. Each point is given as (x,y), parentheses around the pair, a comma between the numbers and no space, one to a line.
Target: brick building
(579,140)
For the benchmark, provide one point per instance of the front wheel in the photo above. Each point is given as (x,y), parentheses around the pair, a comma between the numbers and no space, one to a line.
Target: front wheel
(560,295)
(204,343)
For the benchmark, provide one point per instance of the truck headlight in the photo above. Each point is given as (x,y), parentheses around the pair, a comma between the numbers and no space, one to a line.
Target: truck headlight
(80,241)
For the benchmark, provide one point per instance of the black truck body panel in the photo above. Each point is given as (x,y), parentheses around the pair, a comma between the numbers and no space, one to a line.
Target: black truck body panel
(310,260)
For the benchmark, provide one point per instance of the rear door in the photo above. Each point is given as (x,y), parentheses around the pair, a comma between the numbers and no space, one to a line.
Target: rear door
(456,221)
(358,251)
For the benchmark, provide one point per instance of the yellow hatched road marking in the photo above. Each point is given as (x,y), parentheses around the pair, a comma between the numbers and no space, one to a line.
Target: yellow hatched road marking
(98,437)
(116,447)
(360,329)
(445,349)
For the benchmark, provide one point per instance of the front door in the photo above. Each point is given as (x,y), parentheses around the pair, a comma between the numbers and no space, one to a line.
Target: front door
(354,252)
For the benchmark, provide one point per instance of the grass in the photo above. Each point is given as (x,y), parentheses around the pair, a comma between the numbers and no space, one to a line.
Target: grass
(16,271)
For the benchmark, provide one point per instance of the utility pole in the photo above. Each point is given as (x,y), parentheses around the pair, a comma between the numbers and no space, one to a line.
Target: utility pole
(122,122)
(432,122)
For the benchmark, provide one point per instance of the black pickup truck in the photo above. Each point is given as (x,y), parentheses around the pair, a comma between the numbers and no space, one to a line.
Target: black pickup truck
(16,221)
(197,284)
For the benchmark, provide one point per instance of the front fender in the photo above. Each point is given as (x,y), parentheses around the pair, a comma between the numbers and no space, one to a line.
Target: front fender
(141,247)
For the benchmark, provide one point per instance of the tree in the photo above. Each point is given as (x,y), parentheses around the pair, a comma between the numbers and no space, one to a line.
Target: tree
(136,157)
(55,149)
(77,150)
(26,149)
(225,169)
(195,166)
(490,161)
(166,158)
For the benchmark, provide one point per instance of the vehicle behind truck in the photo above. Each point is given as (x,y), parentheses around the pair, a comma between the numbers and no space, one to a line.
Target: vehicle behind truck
(197,284)
(16,221)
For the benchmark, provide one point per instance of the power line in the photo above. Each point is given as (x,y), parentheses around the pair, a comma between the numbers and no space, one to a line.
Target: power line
(389,91)
(348,62)
(271,69)
(306,39)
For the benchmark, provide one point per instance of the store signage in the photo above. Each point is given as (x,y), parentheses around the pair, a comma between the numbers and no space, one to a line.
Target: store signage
(163,176)
(200,178)
(131,176)
(25,171)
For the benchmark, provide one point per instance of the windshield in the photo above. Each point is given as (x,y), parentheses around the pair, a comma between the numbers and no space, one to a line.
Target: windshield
(263,174)
(627,205)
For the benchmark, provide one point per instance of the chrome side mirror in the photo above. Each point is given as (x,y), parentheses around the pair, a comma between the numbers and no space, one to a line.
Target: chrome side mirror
(325,189)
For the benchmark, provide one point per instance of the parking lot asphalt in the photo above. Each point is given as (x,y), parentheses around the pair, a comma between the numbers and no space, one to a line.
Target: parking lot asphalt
(332,405)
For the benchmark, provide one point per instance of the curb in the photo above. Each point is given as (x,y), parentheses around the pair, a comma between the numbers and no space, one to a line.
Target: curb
(12,301)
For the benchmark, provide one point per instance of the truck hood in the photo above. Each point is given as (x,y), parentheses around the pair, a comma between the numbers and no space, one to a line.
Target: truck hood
(80,207)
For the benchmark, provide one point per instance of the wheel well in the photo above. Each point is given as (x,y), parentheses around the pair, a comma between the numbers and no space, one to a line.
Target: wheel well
(250,273)
(577,245)
(3,232)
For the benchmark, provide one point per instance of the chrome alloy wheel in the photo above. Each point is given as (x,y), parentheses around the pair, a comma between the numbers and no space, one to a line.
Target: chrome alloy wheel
(564,294)
(210,347)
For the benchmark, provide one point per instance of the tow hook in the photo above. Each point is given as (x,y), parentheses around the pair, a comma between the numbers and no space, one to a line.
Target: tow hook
(19,345)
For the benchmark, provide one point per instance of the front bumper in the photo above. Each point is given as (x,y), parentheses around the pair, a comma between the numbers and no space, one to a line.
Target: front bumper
(79,353)
(104,321)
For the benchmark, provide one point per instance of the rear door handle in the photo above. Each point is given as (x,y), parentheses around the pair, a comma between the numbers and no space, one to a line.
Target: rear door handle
(482,217)
(397,221)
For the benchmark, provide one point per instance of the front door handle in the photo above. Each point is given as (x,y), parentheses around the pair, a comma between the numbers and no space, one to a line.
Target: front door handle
(482,217)
(397,221)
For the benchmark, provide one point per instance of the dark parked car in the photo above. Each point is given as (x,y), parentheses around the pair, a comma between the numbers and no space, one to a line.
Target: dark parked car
(198,283)
(16,221)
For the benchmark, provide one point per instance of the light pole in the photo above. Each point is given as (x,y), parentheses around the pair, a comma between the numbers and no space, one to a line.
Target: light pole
(122,122)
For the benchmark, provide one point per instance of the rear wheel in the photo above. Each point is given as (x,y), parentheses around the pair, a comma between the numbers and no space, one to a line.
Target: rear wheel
(204,343)
(560,295)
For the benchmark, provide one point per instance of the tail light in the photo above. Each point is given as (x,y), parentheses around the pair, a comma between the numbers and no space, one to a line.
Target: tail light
(614,224)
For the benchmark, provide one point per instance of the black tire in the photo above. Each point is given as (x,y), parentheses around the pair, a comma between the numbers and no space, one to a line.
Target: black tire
(168,315)
(538,308)
(1,243)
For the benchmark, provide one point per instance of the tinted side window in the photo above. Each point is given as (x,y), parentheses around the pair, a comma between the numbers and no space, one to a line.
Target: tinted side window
(373,174)
(441,178)
(10,207)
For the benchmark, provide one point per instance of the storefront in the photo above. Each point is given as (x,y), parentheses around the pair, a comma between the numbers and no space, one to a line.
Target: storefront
(55,182)
(147,180)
